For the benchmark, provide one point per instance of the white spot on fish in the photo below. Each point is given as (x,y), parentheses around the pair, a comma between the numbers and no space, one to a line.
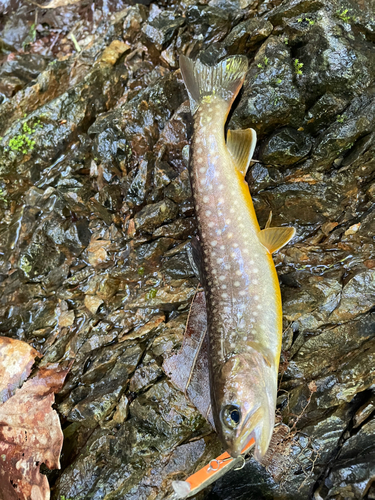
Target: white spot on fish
(232,210)
(227,221)
(233,254)
(255,313)
(199,150)
(230,235)
(236,283)
(222,278)
(208,213)
(224,295)
(211,224)
(218,231)
(221,187)
(200,160)
(255,270)
(238,272)
(220,260)
(235,245)
(206,199)
(242,292)
(256,297)
(213,271)
(259,306)
(223,287)
(202,170)
(227,266)
(222,247)
(221,200)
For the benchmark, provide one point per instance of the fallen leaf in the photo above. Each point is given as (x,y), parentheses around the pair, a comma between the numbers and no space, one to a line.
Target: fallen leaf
(30,431)
(16,360)
(114,51)
(93,303)
(188,369)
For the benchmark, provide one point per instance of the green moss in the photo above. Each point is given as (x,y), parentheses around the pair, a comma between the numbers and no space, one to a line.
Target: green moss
(151,294)
(141,271)
(298,67)
(266,60)
(25,265)
(24,143)
(341,118)
(343,15)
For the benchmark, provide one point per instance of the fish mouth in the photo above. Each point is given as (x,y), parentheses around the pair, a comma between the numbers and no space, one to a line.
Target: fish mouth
(241,440)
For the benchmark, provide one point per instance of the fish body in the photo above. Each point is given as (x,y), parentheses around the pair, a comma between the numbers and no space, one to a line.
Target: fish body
(237,270)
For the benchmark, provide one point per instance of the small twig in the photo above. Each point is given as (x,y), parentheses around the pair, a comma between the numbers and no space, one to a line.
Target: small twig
(74,40)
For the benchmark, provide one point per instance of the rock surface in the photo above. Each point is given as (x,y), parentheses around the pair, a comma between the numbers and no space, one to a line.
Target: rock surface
(96,215)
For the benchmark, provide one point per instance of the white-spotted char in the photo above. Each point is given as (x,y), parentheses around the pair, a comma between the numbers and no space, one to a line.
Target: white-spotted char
(237,270)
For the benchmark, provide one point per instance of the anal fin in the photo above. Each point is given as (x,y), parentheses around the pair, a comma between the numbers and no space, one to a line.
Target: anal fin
(274,238)
(241,145)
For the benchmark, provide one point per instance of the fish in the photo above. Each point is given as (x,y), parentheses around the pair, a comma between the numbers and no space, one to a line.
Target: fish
(234,256)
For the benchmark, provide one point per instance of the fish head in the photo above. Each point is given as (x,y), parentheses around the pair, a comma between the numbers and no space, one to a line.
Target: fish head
(244,400)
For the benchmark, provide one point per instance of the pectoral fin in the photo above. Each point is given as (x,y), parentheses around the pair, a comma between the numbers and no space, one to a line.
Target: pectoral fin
(241,145)
(274,238)
(266,353)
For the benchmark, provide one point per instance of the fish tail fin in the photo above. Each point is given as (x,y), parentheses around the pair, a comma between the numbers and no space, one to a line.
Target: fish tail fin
(223,80)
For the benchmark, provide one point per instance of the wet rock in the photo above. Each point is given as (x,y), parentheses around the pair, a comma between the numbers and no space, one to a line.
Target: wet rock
(18,72)
(327,108)
(179,190)
(154,250)
(141,183)
(271,97)
(162,28)
(342,135)
(285,147)
(247,35)
(153,216)
(179,229)
(122,410)
(293,8)
(96,212)
(144,376)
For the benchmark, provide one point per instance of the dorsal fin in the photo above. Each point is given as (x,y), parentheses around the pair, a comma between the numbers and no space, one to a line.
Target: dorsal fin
(241,145)
(274,238)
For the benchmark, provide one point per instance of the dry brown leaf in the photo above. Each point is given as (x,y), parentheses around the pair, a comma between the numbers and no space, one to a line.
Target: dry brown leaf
(30,431)
(188,369)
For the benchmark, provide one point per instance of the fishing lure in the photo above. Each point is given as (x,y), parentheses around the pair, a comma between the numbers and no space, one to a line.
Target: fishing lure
(235,262)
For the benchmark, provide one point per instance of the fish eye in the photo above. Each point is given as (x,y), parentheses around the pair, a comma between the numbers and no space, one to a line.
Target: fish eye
(231,416)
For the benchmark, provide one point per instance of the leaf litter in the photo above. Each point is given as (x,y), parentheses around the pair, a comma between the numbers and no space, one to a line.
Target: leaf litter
(30,431)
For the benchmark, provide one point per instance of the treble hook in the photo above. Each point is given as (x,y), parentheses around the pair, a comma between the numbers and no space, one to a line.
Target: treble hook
(243,463)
